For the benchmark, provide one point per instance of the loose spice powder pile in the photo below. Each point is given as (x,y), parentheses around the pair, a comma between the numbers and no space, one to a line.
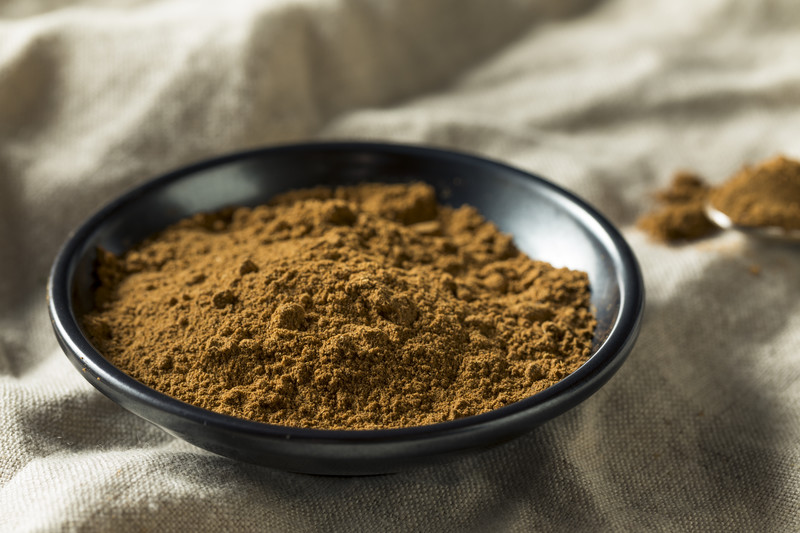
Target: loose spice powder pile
(682,213)
(359,307)
(765,195)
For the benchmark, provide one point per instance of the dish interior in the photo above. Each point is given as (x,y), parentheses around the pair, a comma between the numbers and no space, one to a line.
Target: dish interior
(545,225)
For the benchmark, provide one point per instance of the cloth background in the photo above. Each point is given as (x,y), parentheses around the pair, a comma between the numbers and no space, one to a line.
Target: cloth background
(700,429)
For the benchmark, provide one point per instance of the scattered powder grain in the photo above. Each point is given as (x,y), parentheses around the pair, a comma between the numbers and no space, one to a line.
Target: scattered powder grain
(359,307)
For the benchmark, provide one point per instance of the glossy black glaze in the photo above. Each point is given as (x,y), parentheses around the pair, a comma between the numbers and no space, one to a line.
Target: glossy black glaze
(547,222)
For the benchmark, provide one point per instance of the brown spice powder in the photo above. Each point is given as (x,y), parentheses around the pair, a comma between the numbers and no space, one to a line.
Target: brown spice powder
(765,195)
(682,212)
(359,307)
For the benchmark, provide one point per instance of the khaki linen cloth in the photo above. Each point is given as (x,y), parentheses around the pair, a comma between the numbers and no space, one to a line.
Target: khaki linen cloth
(699,430)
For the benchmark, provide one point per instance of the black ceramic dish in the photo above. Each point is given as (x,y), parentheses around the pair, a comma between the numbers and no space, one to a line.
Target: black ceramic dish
(546,222)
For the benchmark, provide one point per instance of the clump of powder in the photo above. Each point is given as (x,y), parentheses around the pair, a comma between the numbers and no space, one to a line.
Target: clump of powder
(765,195)
(358,307)
(681,215)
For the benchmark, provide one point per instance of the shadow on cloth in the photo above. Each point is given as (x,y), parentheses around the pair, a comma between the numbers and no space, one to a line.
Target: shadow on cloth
(86,420)
(689,431)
